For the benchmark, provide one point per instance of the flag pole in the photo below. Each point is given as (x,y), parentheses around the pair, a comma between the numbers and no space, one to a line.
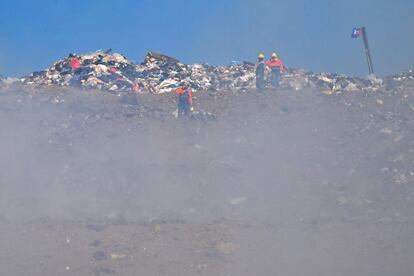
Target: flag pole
(367,51)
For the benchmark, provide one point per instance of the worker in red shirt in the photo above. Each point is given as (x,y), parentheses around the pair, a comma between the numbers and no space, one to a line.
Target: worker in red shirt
(74,62)
(276,68)
(185,100)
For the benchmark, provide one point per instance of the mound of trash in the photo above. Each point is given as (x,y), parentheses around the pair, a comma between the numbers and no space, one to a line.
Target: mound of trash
(160,73)
(401,81)
(329,83)
(5,81)
(157,74)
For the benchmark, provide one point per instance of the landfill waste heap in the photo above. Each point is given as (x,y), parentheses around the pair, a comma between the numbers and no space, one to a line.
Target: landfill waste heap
(8,80)
(160,73)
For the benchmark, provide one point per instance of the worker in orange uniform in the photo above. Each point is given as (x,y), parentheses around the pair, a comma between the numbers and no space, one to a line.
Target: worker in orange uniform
(185,100)
(276,69)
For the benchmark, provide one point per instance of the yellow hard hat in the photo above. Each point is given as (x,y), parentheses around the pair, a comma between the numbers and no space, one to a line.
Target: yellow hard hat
(274,55)
(261,56)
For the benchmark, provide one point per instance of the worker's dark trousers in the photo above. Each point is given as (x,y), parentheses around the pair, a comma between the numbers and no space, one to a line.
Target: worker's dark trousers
(260,84)
(183,109)
(275,78)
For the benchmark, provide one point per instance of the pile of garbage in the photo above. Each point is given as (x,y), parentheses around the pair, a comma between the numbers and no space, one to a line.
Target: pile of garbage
(6,81)
(159,73)
(329,82)
(100,70)
(401,81)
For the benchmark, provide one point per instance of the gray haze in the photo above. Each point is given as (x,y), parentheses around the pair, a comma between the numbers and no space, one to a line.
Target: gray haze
(290,183)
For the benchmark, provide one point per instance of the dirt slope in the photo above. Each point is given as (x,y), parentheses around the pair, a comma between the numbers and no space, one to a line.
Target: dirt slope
(282,183)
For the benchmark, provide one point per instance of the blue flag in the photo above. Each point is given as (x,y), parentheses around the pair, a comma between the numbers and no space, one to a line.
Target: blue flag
(356,32)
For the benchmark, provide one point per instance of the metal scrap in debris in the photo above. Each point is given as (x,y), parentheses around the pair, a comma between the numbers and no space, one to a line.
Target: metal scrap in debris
(160,73)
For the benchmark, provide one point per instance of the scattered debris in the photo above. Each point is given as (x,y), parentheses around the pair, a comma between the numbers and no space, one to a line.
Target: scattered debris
(327,83)
(6,81)
(103,271)
(203,116)
(236,201)
(96,227)
(99,256)
(117,256)
(227,248)
(386,131)
(160,74)
(100,70)
(96,243)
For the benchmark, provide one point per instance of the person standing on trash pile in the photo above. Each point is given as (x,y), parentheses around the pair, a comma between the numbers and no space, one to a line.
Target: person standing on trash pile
(185,100)
(260,73)
(74,62)
(276,68)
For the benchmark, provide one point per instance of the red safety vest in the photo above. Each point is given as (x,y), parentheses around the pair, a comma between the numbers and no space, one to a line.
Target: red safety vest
(135,87)
(275,63)
(75,63)
(180,91)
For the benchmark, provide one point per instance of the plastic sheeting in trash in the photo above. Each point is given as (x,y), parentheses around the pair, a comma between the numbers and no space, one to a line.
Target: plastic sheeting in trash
(160,73)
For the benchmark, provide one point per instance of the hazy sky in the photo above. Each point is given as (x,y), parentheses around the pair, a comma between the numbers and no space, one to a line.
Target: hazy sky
(312,34)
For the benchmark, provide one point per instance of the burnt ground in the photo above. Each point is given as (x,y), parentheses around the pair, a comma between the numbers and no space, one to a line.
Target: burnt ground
(285,183)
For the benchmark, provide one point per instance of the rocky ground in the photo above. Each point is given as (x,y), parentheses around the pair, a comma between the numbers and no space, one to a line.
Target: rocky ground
(284,183)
